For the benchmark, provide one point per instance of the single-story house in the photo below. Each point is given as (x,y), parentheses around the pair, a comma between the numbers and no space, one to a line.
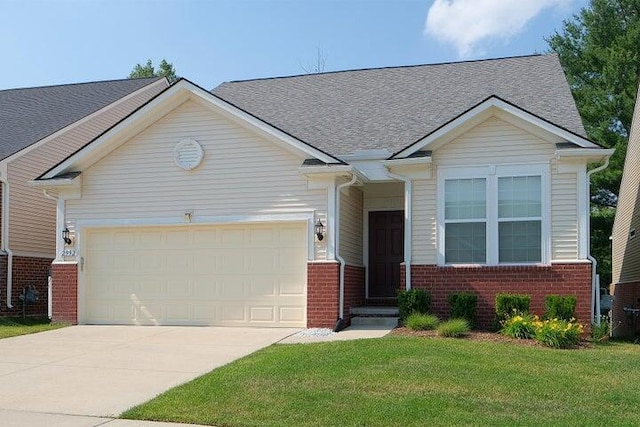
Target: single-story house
(289,201)
(39,127)
(625,286)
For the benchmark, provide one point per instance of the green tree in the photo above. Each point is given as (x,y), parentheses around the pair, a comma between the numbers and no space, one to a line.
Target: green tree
(599,49)
(165,69)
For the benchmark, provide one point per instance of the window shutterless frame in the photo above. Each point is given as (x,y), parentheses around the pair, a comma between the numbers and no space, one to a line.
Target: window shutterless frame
(492,173)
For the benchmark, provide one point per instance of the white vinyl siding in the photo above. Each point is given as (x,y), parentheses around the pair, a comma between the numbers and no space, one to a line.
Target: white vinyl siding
(494,142)
(564,219)
(424,222)
(32,216)
(351,225)
(241,175)
(384,196)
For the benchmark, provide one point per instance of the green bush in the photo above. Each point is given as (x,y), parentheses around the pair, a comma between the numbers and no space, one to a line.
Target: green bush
(600,332)
(508,304)
(519,326)
(463,306)
(558,333)
(422,322)
(561,307)
(453,328)
(413,301)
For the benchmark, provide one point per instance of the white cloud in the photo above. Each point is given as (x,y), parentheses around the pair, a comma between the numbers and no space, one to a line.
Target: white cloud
(465,23)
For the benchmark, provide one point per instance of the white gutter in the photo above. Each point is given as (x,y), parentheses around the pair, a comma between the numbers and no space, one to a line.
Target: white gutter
(407,225)
(336,231)
(595,286)
(4,243)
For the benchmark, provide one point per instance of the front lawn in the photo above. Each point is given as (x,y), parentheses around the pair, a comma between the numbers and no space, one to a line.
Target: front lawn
(412,381)
(14,326)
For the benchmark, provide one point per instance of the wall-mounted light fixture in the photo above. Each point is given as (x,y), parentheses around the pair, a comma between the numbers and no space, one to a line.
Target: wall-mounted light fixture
(65,236)
(319,230)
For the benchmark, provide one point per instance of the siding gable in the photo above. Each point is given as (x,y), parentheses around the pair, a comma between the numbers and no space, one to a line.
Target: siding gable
(241,174)
(491,142)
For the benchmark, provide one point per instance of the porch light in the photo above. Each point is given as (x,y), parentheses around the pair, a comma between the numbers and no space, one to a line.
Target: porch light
(65,236)
(319,230)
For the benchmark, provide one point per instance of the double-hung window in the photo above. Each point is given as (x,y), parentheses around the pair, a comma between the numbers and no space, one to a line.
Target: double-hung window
(493,215)
(465,218)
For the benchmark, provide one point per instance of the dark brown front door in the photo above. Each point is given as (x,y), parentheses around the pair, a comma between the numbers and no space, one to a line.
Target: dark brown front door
(386,252)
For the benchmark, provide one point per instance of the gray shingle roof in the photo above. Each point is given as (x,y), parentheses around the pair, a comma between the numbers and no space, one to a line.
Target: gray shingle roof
(29,114)
(347,111)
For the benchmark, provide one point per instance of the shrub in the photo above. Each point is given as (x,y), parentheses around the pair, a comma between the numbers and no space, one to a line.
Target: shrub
(519,326)
(558,333)
(507,304)
(600,332)
(421,322)
(413,301)
(463,306)
(560,307)
(453,328)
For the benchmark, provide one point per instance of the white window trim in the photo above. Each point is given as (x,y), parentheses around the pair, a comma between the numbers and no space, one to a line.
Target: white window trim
(491,173)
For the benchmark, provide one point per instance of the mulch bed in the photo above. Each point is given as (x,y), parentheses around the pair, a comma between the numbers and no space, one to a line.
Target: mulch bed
(480,336)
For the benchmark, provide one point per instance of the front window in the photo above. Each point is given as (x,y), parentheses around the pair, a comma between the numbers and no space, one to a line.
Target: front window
(519,219)
(465,208)
(494,217)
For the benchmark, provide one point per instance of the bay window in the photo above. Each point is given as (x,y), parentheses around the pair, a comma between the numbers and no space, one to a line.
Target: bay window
(493,215)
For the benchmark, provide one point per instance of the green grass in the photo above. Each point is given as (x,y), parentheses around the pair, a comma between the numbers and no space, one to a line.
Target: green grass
(14,326)
(411,381)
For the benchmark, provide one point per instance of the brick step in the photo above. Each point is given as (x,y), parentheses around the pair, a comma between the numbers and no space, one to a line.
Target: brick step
(374,321)
(375,311)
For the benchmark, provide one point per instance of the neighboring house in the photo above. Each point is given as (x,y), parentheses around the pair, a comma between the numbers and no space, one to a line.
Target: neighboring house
(288,201)
(625,285)
(38,128)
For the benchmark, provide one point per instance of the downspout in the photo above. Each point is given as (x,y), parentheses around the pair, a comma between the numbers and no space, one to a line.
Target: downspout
(58,251)
(340,323)
(595,286)
(407,225)
(5,238)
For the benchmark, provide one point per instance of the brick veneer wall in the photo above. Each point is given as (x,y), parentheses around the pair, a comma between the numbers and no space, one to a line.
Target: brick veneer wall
(323,287)
(26,271)
(65,292)
(323,292)
(353,289)
(625,295)
(557,279)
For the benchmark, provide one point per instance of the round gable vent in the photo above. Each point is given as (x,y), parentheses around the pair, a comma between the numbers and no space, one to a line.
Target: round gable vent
(188,154)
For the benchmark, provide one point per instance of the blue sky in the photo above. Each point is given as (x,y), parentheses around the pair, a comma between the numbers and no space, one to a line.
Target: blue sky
(45,42)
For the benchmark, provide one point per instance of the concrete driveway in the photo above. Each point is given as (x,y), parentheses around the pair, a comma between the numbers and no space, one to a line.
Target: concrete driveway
(100,371)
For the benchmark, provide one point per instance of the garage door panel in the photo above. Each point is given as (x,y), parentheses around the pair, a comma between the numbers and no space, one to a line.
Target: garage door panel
(149,263)
(293,315)
(262,314)
(122,240)
(146,239)
(117,262)
(177,261)
(252,274)
(262,286)
(291,285)
(233,312)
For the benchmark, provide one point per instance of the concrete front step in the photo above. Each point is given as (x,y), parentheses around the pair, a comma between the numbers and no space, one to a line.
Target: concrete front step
(377,311)
(374,321)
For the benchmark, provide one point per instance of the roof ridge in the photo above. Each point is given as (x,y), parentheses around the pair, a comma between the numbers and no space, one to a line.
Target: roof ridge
(80,83)
(393,67)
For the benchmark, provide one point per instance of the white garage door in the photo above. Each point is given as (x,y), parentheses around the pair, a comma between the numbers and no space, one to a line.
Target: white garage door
(253,274)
